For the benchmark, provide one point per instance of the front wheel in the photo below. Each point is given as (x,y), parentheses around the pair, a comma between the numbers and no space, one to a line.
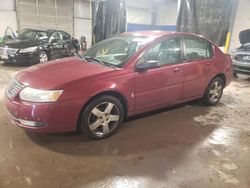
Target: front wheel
(214,92)
(73,51)
(43,57)
(102,117)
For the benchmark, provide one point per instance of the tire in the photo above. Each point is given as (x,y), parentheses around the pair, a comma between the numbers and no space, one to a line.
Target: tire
(43,57)
(73,51)
(102,117)
(213,92)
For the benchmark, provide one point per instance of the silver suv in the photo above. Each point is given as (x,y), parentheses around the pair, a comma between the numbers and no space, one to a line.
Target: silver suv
(241,55)
(241,60)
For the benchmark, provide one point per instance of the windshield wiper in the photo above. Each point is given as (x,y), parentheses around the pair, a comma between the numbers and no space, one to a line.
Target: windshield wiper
(94,59)
(86,58)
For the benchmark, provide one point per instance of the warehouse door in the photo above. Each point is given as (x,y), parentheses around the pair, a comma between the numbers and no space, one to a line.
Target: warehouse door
(45,14)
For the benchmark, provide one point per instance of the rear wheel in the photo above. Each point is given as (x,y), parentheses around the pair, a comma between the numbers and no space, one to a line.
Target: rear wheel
(102,117)
(214,92)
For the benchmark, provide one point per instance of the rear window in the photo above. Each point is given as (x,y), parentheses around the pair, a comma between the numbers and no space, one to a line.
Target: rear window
(197,49)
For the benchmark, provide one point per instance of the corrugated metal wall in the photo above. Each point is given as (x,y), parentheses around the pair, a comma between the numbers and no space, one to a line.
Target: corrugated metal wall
(7,16)
(82,20)
(45,14)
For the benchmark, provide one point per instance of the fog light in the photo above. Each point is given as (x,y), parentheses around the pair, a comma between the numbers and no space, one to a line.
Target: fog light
(29,123)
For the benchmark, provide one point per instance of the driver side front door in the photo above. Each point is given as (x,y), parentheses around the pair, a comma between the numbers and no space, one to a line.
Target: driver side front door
(162,85)
(56,45)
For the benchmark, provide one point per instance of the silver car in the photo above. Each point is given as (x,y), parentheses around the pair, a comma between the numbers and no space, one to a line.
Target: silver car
(241,55)
(241,60)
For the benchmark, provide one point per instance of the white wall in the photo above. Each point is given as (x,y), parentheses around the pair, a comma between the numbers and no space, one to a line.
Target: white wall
(7,15)
(82,22)
(138,16)
(167,12)
(139,11)
(242,21)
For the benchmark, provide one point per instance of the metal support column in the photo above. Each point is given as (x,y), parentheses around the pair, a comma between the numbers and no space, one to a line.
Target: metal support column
(231,25)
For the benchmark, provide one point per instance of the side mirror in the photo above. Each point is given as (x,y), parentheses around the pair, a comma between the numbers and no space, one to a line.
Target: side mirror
(145,65)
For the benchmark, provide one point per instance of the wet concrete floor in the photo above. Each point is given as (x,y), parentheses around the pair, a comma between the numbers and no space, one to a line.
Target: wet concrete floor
(188,146)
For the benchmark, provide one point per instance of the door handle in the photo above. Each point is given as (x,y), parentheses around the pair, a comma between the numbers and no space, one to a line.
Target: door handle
(177,69)
(207,64)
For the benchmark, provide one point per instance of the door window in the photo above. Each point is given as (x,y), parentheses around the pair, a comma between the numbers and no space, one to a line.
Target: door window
(197,49)
(166,52)
(41,35)
(55,36)
(65,36)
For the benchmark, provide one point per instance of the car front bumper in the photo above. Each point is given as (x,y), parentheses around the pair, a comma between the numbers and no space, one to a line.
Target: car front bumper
(44,117)
(21,58)
(241,67)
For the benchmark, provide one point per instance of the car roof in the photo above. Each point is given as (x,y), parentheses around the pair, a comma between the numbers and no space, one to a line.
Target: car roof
(28,29)
(158,34)
(45,30)
(55,30)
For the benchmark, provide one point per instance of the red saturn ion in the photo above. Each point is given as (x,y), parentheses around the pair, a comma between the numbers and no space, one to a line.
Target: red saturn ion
(118,77)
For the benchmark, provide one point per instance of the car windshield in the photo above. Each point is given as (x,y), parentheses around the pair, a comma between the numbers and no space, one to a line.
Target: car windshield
(32,35)
(116,51)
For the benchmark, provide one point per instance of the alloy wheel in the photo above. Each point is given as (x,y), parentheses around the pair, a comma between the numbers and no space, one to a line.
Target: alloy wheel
(43,58)
(73,51)
(103,119)
(215,91)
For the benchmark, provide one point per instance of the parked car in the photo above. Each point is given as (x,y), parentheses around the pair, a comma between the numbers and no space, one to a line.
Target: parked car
(118,77)
(38,46)
(241,55)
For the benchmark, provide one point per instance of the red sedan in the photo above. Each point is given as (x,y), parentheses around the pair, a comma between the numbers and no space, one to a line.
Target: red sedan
(118,77)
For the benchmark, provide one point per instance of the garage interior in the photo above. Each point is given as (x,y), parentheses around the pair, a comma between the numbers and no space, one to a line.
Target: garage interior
(184,146)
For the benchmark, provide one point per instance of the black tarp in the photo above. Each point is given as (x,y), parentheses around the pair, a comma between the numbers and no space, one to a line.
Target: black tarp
(209,18)
(110,19)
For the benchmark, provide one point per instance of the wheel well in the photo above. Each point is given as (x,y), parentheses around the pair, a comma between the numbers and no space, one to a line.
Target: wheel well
(110,93)
(46,51)
(222,76)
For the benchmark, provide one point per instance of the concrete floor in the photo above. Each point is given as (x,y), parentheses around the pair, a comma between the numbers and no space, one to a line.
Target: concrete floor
(189,146)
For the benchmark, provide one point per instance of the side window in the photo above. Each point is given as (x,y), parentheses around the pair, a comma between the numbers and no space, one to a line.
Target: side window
(197,49)
(55,36)
(65,36)
(41,35)
(166,52)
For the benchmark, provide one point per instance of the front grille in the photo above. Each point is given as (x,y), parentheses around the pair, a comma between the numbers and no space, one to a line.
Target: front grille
(8,51)
(14,88)
(242,58)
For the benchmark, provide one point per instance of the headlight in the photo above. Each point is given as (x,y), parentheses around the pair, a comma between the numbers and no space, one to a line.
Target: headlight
(25,50)
(37,95)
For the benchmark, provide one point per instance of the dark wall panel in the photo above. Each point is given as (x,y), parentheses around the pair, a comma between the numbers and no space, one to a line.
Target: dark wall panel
(210,18)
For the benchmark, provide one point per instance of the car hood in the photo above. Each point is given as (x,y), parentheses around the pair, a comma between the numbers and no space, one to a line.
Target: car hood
(16,43)
(55,74)
(245,48)
(244,36)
